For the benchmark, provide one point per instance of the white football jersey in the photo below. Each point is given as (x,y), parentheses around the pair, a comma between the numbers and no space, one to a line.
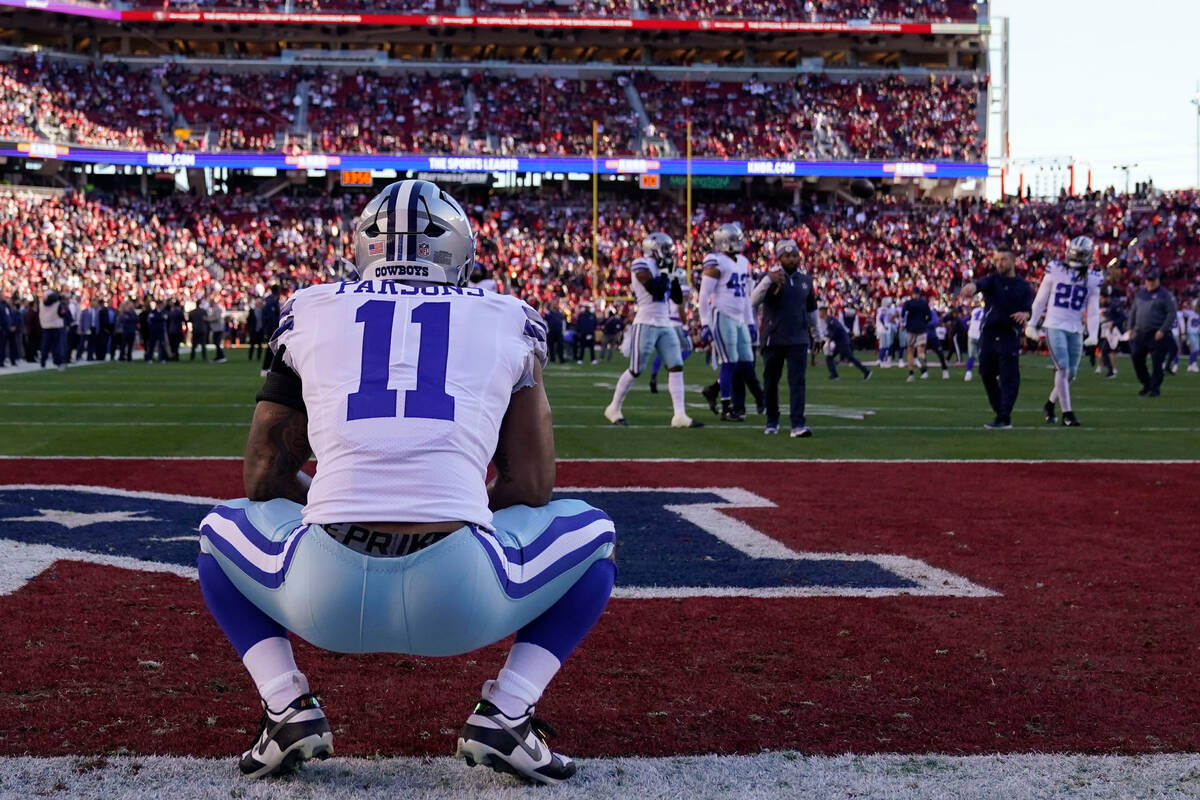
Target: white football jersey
(975,324)
(732,294)
(885,320)
(676,315)
(1065,296)
(649,310)
(405,388)
(1189,321)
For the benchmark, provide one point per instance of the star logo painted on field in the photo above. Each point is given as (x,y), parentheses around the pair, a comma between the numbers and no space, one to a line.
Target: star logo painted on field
(78,519)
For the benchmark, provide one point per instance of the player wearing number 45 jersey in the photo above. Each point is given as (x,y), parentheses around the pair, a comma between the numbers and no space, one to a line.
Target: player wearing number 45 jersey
(404,385)
(1069,293)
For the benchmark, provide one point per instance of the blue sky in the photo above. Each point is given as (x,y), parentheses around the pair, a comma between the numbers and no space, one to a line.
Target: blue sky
(1109,81)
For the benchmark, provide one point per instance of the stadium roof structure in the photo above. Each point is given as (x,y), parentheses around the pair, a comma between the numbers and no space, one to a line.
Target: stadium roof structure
(716,24)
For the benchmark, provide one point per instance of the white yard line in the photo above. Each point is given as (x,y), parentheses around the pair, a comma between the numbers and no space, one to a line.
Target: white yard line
(764,776)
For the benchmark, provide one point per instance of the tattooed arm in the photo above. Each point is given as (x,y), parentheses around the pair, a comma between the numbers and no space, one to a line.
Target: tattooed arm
(524,456)
(275,450)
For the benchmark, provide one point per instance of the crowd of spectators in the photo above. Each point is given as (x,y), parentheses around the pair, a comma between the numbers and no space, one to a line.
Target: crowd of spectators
(370,112)
(798,10)
(237,110)
(811,117)
(551,116)
(227,251)
(110,105)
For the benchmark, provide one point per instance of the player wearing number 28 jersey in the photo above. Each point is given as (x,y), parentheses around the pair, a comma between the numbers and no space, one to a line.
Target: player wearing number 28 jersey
(1068,296)
(404,385)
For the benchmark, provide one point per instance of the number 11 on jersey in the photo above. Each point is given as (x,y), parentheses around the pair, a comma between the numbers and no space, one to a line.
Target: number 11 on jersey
(429,399)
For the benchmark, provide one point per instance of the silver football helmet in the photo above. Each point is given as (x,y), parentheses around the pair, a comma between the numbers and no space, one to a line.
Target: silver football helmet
(661,248)
(413,231)
(729,238)
(1081,252)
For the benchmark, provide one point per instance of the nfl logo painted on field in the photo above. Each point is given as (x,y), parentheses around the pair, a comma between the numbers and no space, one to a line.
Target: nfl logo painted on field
(671,542)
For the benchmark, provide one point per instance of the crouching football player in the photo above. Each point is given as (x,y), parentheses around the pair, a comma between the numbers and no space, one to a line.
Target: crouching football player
(404,385)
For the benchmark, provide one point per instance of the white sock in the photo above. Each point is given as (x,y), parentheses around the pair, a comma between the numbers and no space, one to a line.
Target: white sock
(624,384)
(1054,391)
(675,385)
(282,690)
(526,674)
(269,659)
(273,670)
(1062,387)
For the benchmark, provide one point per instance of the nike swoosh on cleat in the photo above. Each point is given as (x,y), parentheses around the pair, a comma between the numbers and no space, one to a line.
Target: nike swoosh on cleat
(262,747)
(534,752)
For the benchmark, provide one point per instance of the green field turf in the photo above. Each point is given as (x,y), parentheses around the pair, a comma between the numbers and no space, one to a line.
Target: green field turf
(203,409)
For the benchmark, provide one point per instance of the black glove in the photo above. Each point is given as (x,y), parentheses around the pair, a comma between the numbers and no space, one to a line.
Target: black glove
(658,286)
(676,291)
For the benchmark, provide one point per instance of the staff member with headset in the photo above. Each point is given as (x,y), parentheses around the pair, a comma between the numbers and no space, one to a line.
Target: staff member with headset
(1008,302)
(788,307)
(1150,322)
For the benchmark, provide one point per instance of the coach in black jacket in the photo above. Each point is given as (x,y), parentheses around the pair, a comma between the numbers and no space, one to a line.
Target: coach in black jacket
(9,331)
(789,315)
(1008,302)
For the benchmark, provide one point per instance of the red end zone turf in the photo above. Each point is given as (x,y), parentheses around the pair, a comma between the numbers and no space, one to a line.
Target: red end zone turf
(1090,647)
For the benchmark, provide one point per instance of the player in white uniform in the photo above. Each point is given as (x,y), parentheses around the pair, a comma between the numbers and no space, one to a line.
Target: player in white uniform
(728,317)
(885,330)
(1069,294)
(405,385)
(685,341)
(974,331)
(656,282)
(1190,321)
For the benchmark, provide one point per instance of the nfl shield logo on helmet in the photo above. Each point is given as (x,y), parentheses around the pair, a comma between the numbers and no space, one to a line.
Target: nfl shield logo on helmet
(423,249)
(375,249)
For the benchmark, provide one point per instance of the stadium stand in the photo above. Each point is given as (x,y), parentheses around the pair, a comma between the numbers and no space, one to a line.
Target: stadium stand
(236,111)
(125,246)
(110,104)
(370,111)
(805,10)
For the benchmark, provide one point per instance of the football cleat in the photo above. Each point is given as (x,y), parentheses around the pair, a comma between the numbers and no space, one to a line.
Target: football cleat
(945,374)
(1193,368)
(1048,410)
(288,738)
(968,376)
(911,377)
(1110,375)
(1069,421)
(514,746)
(732,416)
(835,377)
(924,375)
(653,383)
(867,375)
(710,396)
(613,415)
(771,430)
(998,425)
(803,432)
(684,421)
